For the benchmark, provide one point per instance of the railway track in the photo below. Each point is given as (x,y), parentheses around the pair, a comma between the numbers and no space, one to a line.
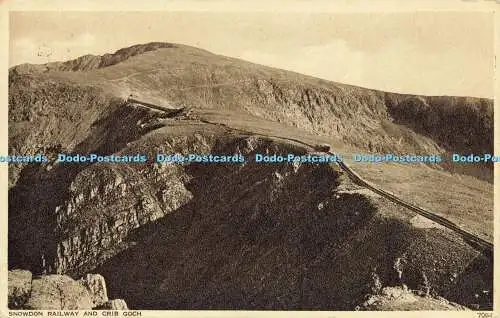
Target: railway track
(473,240)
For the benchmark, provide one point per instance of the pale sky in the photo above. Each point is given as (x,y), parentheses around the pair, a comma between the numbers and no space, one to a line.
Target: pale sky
(431,53)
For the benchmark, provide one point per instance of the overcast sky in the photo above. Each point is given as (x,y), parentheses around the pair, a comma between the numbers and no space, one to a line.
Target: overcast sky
(432,53)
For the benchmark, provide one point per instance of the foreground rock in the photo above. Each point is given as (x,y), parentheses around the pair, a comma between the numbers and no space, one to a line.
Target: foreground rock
(59,292)
(115,304)
(400,298)
(19,285)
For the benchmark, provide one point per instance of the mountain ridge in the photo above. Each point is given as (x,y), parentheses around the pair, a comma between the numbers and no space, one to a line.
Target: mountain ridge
(158,232)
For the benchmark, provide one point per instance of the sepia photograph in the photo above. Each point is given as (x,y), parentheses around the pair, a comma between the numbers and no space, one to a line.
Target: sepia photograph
(250,160)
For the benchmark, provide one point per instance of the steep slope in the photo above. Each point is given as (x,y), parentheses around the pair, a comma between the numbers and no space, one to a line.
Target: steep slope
(156,232)
(230,228)
(60,292)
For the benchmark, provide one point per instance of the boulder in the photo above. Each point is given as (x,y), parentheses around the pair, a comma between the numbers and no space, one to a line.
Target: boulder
(96,287)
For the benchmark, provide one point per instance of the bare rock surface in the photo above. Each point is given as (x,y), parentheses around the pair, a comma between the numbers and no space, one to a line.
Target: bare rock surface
(58,292)
(19,287)
(226,236)
(96,286)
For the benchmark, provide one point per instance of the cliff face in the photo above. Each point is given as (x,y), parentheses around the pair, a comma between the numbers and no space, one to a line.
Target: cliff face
(226,236)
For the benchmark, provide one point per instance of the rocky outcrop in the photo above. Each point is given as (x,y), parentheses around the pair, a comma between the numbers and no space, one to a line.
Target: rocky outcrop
(96,286)
(58,292)
(400,298)
(91,62)
(115,304)
(19,287)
